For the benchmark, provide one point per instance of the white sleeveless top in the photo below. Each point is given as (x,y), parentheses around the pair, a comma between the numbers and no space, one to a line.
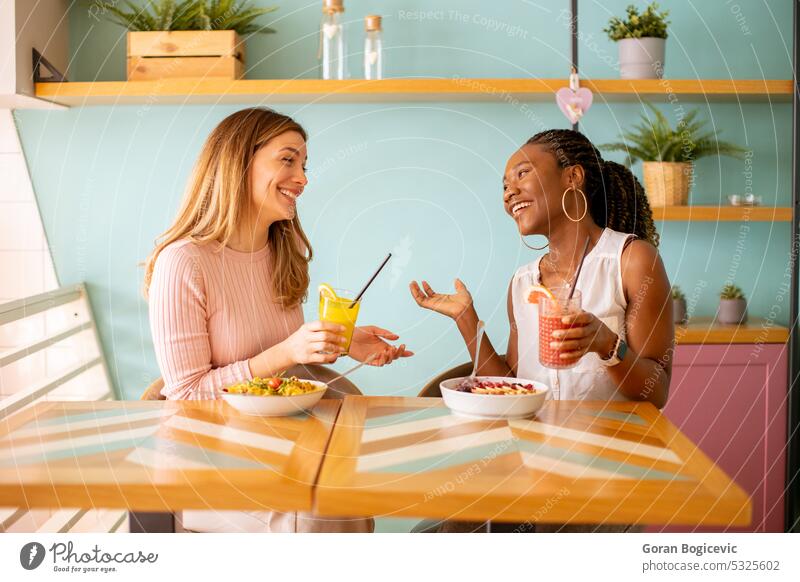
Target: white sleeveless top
(600,284)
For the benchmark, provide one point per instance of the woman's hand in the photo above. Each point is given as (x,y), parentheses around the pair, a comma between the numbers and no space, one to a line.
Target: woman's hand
(305,346)
(367,342)
(450,305)
(589,335)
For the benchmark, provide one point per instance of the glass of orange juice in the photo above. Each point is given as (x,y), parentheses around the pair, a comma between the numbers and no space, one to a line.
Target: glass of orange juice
(334,307)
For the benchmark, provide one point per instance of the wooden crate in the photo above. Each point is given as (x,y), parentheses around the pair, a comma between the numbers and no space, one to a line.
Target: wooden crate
(208,54)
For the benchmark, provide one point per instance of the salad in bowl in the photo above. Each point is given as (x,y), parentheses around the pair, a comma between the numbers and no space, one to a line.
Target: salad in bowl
(275,396)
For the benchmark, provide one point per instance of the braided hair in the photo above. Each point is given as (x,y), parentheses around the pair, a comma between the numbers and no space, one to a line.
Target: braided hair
(615,197)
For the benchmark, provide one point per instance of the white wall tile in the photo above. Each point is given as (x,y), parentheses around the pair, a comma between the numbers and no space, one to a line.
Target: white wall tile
(21,227)
(9,140)
(15,184)
(50,277)
(21,274)
(49,280)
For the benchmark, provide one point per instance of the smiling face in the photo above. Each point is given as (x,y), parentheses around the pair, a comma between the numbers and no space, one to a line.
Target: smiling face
(533,184)
(277,178)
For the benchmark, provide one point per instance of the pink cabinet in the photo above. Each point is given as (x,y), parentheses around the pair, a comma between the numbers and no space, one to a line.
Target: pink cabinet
(731,401)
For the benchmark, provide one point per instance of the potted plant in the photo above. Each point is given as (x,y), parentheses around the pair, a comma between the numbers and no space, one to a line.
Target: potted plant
(678,305)
(642,40)
(668,154)
(185,38)
(732,305)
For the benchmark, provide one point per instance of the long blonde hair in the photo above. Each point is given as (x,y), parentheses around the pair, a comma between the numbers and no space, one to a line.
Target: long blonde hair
(218,192)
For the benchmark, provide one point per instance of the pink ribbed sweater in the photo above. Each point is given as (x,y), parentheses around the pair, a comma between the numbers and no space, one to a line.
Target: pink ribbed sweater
(212,309)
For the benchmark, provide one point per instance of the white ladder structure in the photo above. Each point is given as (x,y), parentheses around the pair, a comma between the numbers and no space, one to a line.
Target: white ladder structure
(60,360)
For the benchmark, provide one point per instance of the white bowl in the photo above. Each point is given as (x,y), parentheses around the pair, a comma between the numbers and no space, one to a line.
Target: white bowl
(494,406)
(276,405)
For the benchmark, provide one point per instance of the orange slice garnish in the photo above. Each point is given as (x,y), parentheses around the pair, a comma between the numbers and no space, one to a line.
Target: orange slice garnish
(536,292)
(326,290)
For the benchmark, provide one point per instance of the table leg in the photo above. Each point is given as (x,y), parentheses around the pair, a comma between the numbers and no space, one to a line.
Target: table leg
(151,522)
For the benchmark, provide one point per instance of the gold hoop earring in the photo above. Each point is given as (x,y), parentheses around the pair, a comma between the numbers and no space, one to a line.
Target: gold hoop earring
(522,238)
(585,203)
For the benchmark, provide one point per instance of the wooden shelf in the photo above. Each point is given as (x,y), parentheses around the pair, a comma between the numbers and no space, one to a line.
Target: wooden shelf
(723,213)
(704,330)
(191,91)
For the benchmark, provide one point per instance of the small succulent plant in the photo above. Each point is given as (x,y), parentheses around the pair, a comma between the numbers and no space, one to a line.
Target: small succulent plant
(648,24)
(235,15)
(677,294)
(731,291)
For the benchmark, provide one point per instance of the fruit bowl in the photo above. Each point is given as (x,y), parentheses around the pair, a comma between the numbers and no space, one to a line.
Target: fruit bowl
(494,406)
(276,405)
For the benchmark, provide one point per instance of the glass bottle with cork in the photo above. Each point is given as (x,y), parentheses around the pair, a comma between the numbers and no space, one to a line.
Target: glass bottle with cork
(331,41)
(373,48)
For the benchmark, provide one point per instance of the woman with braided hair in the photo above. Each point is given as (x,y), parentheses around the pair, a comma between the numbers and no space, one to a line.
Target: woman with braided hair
(558,185)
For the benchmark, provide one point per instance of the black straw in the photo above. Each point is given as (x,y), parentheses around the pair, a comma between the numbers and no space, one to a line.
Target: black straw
(375,274)
(578,272)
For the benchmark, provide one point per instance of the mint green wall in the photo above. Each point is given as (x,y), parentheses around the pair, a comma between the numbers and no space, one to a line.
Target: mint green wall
(422,179)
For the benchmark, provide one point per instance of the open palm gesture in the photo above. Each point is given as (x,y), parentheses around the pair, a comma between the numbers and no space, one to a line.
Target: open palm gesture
(452,305)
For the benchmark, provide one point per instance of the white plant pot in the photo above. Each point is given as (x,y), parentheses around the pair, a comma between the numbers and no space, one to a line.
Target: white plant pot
(641,58)
(732,311)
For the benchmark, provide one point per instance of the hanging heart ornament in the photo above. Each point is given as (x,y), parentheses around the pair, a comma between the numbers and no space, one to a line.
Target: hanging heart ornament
(574,104)
(574,101)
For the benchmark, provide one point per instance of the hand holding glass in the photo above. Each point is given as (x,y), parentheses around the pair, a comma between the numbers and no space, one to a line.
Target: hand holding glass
(337,310)
(551,310)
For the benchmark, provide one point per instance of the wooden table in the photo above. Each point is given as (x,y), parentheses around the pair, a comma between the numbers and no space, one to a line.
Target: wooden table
(160,456)
(575,462)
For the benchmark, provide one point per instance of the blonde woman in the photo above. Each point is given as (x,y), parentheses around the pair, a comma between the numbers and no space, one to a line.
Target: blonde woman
(226,282)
